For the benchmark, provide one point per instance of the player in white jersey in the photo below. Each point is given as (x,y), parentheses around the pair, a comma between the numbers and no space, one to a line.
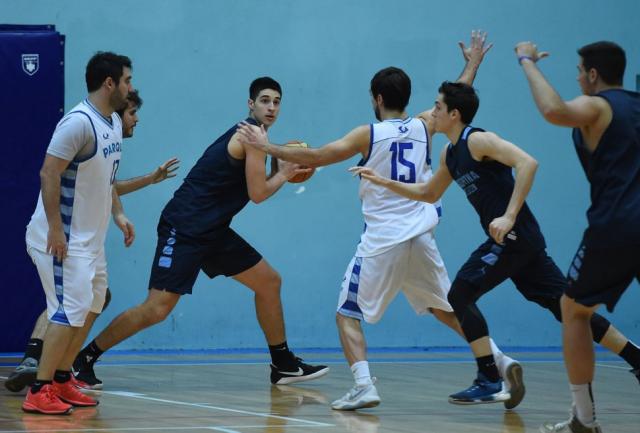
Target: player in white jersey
(65,237)
(397,250)
(25,373)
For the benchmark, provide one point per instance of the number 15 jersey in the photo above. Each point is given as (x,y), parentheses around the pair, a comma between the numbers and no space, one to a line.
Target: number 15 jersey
(398,150)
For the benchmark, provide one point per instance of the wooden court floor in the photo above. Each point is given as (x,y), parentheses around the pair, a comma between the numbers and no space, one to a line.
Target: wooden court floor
(231,393)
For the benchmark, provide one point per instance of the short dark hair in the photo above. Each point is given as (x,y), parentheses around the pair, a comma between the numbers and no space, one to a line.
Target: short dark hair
(394,85)
(134,99)
(103,65)
(608,58)
(262,83)
(461,97)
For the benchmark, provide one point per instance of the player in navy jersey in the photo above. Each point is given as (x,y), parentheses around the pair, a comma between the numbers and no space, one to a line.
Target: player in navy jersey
(481,163)
(606,135)
(194,234)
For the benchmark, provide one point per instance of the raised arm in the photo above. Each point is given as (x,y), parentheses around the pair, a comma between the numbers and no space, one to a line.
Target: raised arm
(162,172)
(487,145)
(429,192)
(581,111)
(473,56)
(356,141)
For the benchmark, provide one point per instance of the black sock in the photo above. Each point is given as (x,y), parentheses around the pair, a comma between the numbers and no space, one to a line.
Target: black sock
(90,353)
(281,357)
(34,349)
(38,384)
(487,366)
(631,353)
(62,376)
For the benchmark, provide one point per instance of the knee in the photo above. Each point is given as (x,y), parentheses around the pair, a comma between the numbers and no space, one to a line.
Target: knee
(460,295)
(272,284)
(572,311)
(156,312)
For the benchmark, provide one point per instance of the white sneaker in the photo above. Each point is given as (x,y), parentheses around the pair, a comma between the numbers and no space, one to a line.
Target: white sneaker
(571,426)
(512,374)
(358,397)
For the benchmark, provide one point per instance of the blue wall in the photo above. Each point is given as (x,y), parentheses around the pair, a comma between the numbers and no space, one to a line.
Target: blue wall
(193,61)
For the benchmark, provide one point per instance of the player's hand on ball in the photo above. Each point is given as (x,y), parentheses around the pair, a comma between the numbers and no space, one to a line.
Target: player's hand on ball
(290,170)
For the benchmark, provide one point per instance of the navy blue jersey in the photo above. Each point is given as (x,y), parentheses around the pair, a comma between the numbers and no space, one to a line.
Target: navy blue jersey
(488,186)
(213,192)
(614,173)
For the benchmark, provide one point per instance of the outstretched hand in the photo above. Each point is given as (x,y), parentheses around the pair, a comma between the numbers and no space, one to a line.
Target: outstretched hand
(368,174)
(477,48)
(529,50)
(253,135)
(165,171)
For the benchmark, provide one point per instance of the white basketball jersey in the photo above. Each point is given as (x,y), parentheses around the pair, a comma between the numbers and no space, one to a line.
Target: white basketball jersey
(86,184)
(399,150)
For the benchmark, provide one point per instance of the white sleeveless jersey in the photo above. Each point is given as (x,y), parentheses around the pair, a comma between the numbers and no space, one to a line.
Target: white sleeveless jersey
(86,186)
(399,150)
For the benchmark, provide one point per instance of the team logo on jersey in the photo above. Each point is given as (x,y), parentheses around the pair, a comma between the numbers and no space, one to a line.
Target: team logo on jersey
(105,135)
(30,63)
(403,129)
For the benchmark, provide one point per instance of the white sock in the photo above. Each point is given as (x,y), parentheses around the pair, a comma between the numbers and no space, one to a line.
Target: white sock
(498,355)
(361,373)
(583,400)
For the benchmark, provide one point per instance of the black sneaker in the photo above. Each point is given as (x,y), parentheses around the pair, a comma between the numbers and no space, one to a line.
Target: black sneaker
(23,375)
(301,372)
(636,373)
(83,371)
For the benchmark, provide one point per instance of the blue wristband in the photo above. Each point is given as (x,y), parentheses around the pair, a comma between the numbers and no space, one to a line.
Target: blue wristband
(521,58)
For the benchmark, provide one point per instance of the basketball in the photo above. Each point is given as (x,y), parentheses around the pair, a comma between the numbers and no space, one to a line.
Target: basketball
(299,178)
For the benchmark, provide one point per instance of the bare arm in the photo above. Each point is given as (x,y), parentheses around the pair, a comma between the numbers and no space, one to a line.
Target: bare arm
(259,186)
(473,56)
(429,192)
(487,145)
(163,172)
(120,219)
(582,111)
(356,141)
(50,178)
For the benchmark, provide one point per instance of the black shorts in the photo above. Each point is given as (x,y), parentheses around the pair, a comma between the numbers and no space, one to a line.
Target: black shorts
(533,272)
(600,275)
(178,259)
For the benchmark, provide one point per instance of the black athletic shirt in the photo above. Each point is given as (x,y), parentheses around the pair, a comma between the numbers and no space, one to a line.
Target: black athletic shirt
(213,192)
(614,173)
(488,186)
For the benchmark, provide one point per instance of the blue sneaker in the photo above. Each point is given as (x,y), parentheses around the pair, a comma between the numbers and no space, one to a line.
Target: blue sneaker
(482,391)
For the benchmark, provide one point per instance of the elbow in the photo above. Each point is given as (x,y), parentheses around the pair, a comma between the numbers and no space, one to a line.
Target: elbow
(429,197)
(257,198)
(553,114)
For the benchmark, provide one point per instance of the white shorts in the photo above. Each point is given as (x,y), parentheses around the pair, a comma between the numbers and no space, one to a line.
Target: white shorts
(73,288)
(413,266)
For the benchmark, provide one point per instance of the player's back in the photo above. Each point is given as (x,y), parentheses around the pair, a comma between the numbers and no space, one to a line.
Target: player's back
(399,150)
(614,173)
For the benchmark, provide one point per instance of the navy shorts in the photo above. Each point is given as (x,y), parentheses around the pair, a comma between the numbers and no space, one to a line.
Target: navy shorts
(179,259)
(600,275)
(533,272)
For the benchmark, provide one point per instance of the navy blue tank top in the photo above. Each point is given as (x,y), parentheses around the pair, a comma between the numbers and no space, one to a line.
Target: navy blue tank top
(488,186)
(213,192)
(613,170)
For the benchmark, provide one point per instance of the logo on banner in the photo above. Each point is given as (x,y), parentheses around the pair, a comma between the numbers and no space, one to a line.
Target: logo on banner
(30,63)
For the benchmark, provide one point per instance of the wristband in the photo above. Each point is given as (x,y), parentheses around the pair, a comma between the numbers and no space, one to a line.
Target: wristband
(521,58)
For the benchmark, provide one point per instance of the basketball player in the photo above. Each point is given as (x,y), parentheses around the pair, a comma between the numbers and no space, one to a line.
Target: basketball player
(194,235)
(65,237)
(606,135)
(481,164)
(25,373)
(397,250)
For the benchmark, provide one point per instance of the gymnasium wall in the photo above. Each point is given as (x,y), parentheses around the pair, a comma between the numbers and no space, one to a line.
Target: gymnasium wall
(193,62)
